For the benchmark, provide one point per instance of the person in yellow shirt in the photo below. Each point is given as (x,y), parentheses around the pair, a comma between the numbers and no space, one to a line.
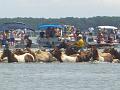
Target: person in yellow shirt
(80,43)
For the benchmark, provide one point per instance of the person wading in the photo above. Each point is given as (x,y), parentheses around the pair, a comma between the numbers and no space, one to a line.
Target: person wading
(28,42)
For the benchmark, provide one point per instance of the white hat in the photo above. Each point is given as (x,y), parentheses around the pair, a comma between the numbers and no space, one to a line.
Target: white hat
(79,35)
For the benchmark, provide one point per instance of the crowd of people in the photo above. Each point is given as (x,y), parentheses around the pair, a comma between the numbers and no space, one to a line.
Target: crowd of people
(112,36)
(86,39)
(8,38)
(81,39)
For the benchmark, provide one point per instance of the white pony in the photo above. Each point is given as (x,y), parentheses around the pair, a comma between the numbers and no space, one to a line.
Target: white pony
(66,58)
(26,57)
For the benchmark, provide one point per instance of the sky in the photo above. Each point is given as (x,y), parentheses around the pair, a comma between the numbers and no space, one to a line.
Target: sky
(58,8)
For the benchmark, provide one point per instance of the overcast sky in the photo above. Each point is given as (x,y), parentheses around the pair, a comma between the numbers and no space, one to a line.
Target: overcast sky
(59,8)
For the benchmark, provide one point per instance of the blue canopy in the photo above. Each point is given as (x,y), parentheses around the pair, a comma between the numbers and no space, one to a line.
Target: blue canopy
(14,26)
(49,26)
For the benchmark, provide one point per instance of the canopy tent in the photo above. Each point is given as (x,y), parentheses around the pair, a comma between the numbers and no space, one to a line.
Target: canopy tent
(49,26)
(107,27)
(14,26)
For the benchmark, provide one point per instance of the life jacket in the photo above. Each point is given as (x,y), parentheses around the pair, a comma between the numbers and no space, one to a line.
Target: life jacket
(80,43)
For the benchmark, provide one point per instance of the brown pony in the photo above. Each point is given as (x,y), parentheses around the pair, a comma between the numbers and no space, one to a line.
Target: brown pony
(84,56)
(57,54)
(104,57)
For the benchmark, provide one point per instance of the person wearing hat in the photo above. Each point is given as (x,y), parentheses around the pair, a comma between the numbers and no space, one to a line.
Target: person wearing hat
(80,43)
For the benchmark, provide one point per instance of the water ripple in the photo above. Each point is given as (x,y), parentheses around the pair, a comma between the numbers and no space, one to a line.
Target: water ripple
(66,76)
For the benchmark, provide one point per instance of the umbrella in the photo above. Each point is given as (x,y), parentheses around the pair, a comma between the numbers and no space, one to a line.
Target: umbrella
(14,26)
(49,26)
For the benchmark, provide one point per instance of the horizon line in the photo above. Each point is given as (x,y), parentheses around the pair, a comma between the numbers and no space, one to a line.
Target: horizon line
(55,17)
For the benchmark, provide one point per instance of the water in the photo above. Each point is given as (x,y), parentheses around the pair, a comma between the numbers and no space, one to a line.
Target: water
(57,76)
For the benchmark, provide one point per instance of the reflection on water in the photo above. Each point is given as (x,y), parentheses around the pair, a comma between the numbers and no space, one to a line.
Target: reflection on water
(59,76)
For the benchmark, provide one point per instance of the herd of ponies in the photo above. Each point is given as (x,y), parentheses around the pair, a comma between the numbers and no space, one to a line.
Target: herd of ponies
(110,55)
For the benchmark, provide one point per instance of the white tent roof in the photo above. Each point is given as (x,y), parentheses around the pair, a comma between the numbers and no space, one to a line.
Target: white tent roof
(107,27)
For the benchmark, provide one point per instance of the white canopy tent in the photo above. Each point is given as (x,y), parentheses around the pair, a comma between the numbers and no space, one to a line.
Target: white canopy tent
(107,27)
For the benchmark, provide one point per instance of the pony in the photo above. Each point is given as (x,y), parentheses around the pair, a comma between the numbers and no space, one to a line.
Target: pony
(63,57)
(102,57)
(28,50)
(44,56)
(84,56)
(113,52)
(18,51)
(66,58)
(1,60)
(57,54)
(27,57)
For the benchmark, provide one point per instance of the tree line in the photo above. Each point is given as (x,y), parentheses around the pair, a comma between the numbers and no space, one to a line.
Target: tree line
(81,24)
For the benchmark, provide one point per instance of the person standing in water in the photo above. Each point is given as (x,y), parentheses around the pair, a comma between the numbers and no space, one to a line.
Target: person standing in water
(28,42)
(12,39)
